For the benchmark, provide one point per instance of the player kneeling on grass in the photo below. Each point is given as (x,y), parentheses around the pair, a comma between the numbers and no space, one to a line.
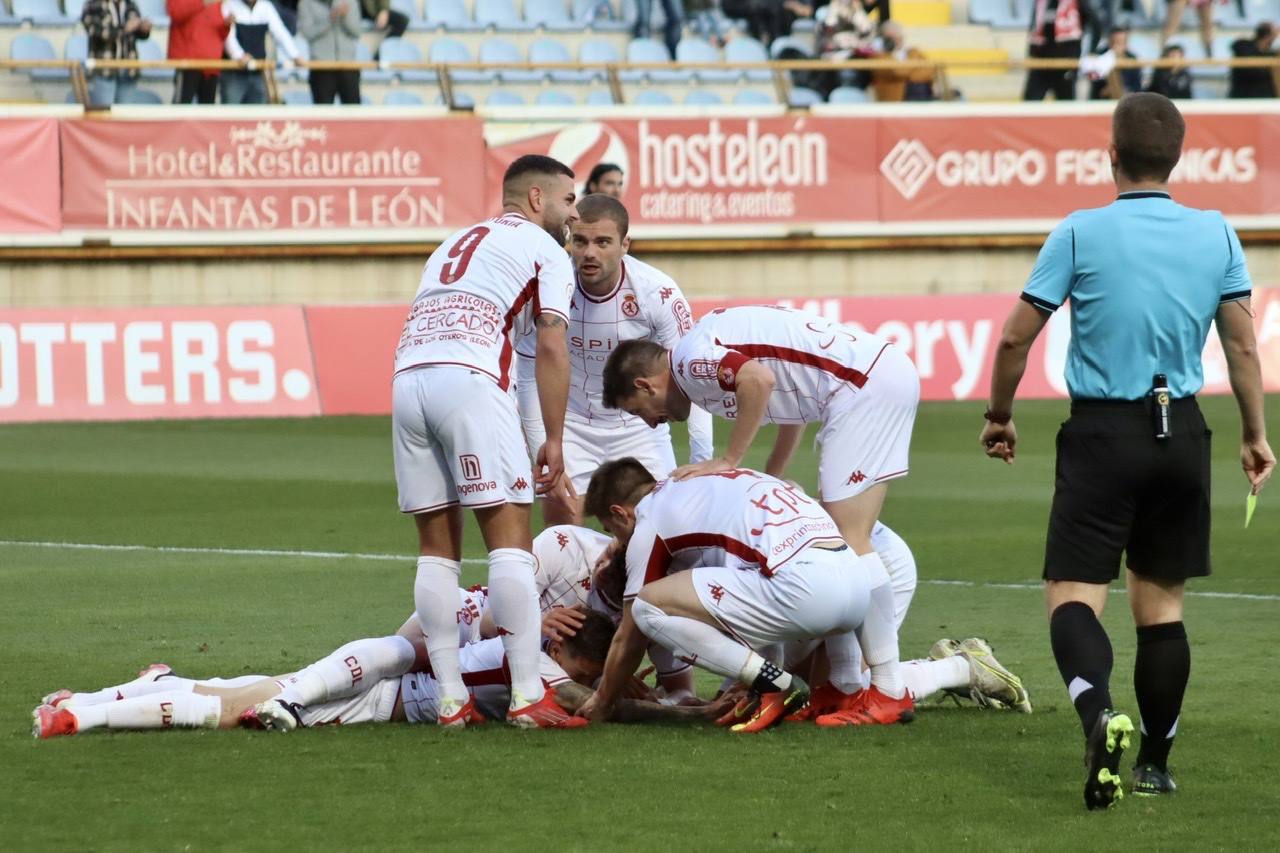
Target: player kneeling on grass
(767,566)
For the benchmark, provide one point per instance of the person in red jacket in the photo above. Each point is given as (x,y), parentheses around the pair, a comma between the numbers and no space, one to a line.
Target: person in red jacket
(197,29)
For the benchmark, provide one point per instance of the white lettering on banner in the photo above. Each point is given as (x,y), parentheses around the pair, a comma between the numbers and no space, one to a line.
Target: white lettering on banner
(991,168)
(1216,166)
(927,334)
(239,335)
(8,365)
(970,354)
(42,337)
(138,362)
(93,336)
(203,363)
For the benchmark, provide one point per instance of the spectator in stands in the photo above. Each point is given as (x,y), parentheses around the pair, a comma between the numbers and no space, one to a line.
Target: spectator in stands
(1204,11)
(332,28)
(1171,82)
(1253,82)
(1105,82)
(197,30)
(288,11)
(675,21)
(385,19)
(247,43)
(846,32)
(893,85)
(114,27)
(1057,30)
(768,19)
(605,178)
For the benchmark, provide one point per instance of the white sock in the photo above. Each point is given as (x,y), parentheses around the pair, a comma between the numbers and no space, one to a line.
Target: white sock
(435,595)
(513,601)
(143,686)
(878,634)
(155,711)
(697,642)
(925,677)
(232,683)
(349,670)
(845,656)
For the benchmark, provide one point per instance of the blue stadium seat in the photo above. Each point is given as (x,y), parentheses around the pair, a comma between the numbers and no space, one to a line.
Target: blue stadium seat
(448,15)
(146,97)
(304,52)
(603,16)
(500,14)
(781,43)
(550,50)
(703,98)
(984,11)
(649,50)
(73,8)
(600,98)
(753,98)
(448,51)
(1013,14)
(363,54)
(150,51)
(504,98)
(652,98)
(154,11)
(554,98)
(747,49)
(298,98)
(76,47)
(398,50)
(402,98)
(461,100)
(848,95)
(42,13)
(697,50)
(31,46)
(802,97)
(501,50)
(597,51)
(549,14)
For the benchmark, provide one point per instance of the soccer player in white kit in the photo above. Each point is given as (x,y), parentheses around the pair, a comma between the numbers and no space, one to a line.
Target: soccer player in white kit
(767,364)
(617,298)
(456,432)
(767,566)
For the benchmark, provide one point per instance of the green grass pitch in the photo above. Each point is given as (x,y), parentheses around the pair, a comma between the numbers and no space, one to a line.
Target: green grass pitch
(956,779)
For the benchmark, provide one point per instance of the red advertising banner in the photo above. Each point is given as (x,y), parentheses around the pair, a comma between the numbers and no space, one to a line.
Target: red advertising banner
(713,171)
(134,363)
(354,349)
(353,178)
(29,200)
(1010,167)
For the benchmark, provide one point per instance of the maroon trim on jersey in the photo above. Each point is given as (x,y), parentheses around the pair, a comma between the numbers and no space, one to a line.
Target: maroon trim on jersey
(622,276)
(659,561)
(807,359)
(487,677)
(738,549)
(727,373)
(528,292)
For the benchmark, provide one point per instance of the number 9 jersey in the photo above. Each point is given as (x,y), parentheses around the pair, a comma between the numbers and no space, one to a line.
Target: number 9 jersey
(480,291)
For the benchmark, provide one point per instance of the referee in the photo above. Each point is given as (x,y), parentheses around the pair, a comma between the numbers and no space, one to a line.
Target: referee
(1145,276)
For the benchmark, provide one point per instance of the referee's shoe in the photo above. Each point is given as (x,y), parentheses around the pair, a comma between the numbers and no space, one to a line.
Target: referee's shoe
(1102,751)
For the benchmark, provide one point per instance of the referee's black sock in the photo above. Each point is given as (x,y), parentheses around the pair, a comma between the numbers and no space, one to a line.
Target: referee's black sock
(1160,679)
(1083,652)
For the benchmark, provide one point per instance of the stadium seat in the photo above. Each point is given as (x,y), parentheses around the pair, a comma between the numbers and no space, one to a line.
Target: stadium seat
(1012,14)
(363,54)
(550,50)
(698,50)
(42,13)
(33,47)
(411,9)
(549,15)
(747,49)
(984,11)
(402,98)
(73,8)
(447,52)
(802,98)
(461,101)
(501,50)
(304,52)
(448,15)
(504,98)
(603,16)
(152,52)
(554,98)
(155,11)
(649,50)
(597,51)
(703,98)
(848,95)
(652,98)
(752,97)
(146,97)
(782,43)
(500,14)
(76,47)
(298,98)
(398,50)
(600,98)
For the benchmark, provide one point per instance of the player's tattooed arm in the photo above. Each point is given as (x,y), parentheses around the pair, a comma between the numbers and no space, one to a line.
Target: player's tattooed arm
(571,696)
(550,321)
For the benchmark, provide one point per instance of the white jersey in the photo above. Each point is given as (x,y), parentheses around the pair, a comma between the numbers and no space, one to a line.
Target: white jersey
(741,519)
(564,556)
(645,304)
(812,358)
(487,676)
(480,292)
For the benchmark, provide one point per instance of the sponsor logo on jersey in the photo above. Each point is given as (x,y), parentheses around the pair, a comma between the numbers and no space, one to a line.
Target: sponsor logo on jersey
(684,318)
(562,540)
(630,306)
(717,593)
(665,294)
(704,368)
(520,484)
(856,477)
(468,613)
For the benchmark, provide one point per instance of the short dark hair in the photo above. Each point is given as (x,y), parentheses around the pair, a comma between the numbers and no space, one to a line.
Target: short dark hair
(533,164)
(611,581)
(629,361)
(599,171)
(1147,130)
(1263,30)
(618,481)
(597,206)
(592,639)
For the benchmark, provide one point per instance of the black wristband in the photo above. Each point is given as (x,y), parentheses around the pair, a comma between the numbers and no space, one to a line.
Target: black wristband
(999,418)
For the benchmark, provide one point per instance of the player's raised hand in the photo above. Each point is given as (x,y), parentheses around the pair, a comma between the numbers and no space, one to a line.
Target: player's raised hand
(1258,462)
(998,441)
(698,469)
(548,467)
(559,623)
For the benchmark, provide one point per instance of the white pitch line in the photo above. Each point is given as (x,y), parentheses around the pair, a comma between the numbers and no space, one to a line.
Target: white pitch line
(397,558)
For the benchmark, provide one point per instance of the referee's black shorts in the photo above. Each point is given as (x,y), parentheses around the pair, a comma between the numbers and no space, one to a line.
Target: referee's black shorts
(1120,489)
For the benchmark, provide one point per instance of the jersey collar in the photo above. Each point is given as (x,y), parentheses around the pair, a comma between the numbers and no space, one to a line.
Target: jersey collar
(622,276)
(1142,194)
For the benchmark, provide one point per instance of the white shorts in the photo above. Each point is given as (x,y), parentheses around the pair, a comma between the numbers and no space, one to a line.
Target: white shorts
(456,439)
(421,696)
(816,594)
(588,446)
(866,433)
(374,705)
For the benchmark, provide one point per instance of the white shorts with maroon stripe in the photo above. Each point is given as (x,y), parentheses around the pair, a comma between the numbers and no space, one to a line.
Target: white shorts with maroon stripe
(865,436)
(456,439)
(816,594)
(588,446)
(374,705)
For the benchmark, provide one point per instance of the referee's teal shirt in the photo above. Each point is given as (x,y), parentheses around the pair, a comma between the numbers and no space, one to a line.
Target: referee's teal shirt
(1145,276)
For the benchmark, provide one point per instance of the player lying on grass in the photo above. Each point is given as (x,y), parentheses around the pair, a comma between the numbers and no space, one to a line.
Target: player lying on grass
(377,680)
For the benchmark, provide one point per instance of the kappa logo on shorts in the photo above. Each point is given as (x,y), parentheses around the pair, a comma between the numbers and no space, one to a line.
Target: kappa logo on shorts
(562,540)
(470,464)
(717,592)
(520,484)
(855,478)
(629,305)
